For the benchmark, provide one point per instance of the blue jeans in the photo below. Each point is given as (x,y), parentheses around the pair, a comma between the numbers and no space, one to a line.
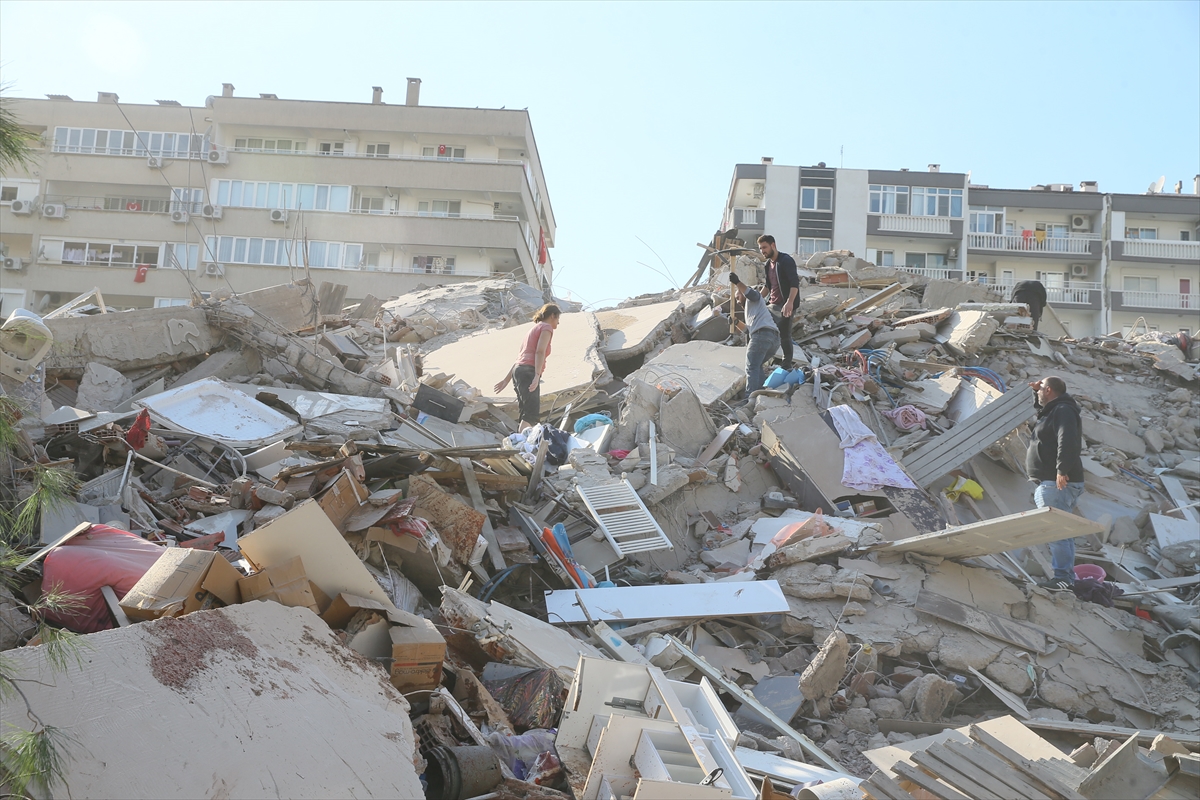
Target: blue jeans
(763,344)
(1062,553)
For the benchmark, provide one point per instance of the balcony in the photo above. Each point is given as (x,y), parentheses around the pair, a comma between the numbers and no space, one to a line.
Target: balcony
(1076,293)
(934,273)
(752,218)
(1156,301)
(134,205)
(1074,245)
(903,223)
(1156,249)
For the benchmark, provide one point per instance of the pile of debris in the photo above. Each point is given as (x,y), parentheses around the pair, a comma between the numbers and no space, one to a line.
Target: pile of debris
(832,585)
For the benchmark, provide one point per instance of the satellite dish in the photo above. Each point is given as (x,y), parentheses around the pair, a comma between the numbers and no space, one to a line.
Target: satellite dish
(1157,186)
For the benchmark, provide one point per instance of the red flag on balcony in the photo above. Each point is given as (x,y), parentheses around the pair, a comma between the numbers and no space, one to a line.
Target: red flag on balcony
(542,255)
(139,276)
(441,149)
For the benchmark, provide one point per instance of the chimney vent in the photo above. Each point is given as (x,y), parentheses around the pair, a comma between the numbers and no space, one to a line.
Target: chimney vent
(1089,186)
(106,97)
(377,95)
(267,96)
(226,90)
(413,97)
(1196,185)
(935,167)
(768,160)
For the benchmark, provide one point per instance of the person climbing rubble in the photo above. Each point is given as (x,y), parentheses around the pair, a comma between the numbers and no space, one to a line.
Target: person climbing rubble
(1032,294)
(526,374)
(1053,462)
(783,284)
(764,336)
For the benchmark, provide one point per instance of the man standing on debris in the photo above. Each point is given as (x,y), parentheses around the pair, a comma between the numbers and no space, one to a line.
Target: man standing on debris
(1053,462)
(764,336)
(526,374)
(783,284)
(1032,294)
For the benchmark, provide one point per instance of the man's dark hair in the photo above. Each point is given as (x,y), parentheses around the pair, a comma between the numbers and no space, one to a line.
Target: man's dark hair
(1056,384)
(766,237)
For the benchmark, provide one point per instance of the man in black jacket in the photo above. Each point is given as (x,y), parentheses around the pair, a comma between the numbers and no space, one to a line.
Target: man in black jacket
(1032,294)
(783,284)
(1053,462)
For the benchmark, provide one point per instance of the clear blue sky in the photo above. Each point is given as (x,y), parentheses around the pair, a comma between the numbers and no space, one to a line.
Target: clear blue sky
(642,109)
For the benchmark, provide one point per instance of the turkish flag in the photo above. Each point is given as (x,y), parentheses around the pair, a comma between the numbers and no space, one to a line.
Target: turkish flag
(542,255)
(441,149)
(140,275)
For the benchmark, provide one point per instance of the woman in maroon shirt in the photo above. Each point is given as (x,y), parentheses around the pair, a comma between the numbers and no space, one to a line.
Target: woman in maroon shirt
(526,374)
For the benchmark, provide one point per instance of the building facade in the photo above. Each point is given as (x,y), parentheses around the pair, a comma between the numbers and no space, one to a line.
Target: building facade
(153,203)
(1109,261)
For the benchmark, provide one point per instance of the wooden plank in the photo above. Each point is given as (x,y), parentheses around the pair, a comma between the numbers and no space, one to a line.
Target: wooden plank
(1091,731)
(715,446)
(1025,765)
(990,490)
(1182,501)
(930,784)
(998,769)
(871,301)
(485,480)
(1003,695)
(887,786)
(82,527)
(957,772)
(993,625)
(114,606)
(657,626)
(1028,528)
(477,500)
(971,437)
(539,466)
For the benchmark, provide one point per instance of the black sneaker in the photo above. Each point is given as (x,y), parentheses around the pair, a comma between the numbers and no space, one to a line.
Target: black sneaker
(1056,584)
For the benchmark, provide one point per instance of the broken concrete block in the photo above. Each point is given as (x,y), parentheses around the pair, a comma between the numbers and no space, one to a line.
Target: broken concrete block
(633,330)
(822,677)
(960,652)
(148,337)
(967,331)
(1154,440)
(715,372)
(855,340)
(1124,532)
(1098,431)
(808,550)
(102,388)
(1010,675)
(909,333)
(860,719)
(931,696)
(685,425)
(671,479)
(887,708)
(1060,695)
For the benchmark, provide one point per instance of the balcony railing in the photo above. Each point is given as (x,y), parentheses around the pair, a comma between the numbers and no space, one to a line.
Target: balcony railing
(909,224)
(747,216)
(136,205)
(1075,293)
(438,214)
(1163,300)
(1067,245)
(382,156)
(933,272)
(1161,248)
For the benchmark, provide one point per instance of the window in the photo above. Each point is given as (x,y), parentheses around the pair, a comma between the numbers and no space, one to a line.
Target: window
(439,265)
(814,198)
(925,260)
(127,143)
(182,256)
(885,258)
(806,247)
(1141,233)
(888,199)
(266,145)
(987,219)
(1054,230)
(370,205)
(1135,283)
(1185,236)
(331,148)
(171,302)
(189,200)
(378,150)
(1053,280)
(444,152)
(105,254)
(8,194)
(282,252)
(930,202)
(263,194)
(439,208)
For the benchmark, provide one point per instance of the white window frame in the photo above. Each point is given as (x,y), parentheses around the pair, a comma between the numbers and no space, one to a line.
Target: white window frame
(885,258)
(331,148)
(1140,233)
(887,199)
(428,268)
(246,144)
(284,252)
(369,205)
(808,245)
(451,152)
(925,196)
(453,208)
(817,194)
(286,195)
(1125,279)
(925,259)
(99,253)
(981,213)
(372,150)
(171,302)
(87,141)
(178,255)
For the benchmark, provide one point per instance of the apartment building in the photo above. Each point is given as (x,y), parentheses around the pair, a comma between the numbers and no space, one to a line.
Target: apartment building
(153,203)
(1109,261)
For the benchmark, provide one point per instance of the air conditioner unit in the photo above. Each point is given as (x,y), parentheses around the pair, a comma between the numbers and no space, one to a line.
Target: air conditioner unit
(279,215)
(218,157)
(22,207)
(54,210)
(180,217)
(212,212)
(154,162)
(214,270)
(952,254)
(1079,270)
(1079,222)
(14,263)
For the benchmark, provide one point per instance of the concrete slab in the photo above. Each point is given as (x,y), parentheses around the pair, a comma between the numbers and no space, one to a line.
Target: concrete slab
(713,371)
(492,298)
(1100,432)
(262,672)
(632,331)
(481,360)
(212,408)
(128,341)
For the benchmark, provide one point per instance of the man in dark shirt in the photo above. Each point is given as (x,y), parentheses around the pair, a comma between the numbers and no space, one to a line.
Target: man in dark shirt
(1053,462)
(1032,294)
(783,284)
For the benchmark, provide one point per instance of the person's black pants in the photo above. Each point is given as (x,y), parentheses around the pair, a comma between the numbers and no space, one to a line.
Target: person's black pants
(784,324)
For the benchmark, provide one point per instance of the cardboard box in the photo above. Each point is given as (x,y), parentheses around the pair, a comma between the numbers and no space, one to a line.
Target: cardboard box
(180,582)
(286,584)
(343,498)
(417,649)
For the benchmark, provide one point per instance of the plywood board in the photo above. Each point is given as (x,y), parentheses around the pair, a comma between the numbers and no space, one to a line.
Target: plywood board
(685,601)
(984,622)
(307,532)
(977,432)
(1171,530)
(1028,528)
(1175,489)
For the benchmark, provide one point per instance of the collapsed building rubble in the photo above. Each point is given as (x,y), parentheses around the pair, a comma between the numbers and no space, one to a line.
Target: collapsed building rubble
(675,579)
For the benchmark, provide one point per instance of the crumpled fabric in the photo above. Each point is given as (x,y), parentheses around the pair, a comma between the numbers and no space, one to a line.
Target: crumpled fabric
(591,421)
(1093,591)
(961,486)
(906,418)
(851,377)
(867,466)
(139,430)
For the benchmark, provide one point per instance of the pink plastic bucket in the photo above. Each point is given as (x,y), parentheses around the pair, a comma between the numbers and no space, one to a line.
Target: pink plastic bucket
(1089,571)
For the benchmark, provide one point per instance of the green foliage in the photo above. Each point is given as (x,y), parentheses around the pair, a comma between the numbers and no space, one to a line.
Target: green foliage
(16,141)
(33,759)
